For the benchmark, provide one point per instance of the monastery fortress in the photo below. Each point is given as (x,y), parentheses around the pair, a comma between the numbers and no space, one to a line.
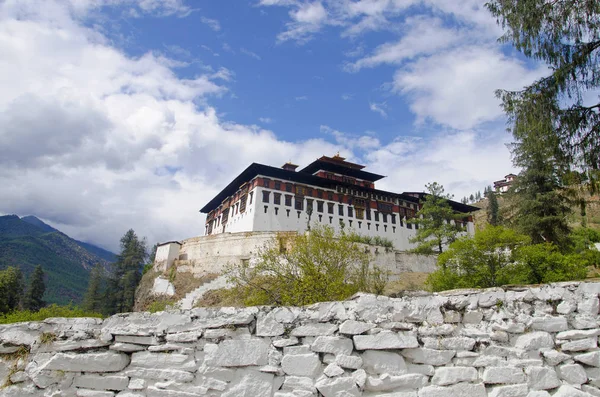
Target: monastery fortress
(264,201)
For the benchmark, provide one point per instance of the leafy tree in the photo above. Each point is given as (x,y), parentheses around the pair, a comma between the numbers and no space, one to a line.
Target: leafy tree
(93,299)
(303,269)
(434,218)
(126,274)
(498,256)
(11,289)
(566,36)
(479,261)
(34,297)
(493,209)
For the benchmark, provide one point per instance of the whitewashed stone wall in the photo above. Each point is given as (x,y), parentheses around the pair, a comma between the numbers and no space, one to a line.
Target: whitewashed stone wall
(530,342)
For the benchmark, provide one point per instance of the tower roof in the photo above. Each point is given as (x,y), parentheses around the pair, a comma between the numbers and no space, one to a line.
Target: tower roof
(339,165)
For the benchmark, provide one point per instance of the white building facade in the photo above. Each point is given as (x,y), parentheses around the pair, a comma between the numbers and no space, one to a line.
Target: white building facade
(329,191)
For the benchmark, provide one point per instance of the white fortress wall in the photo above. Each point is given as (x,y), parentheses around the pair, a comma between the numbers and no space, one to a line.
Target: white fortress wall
(522,341)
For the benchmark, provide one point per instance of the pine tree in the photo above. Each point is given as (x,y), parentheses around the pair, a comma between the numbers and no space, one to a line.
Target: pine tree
(471,198)
(435,220)
(93,299)
(126,274)
(34,297)
(565,35)
(493,209)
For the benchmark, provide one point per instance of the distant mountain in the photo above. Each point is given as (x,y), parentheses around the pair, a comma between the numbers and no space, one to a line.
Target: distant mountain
(101,252)
(28,242)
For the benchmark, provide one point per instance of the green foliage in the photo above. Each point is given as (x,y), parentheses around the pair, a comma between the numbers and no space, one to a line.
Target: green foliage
(380,241)
(582,243)
(34,297)
(44,313)
(47,337)
(498,256)
(565,35)
(434,220)
(11,289)
(493,208)
(126,274)
(93,299)
(160,305)
(314,267)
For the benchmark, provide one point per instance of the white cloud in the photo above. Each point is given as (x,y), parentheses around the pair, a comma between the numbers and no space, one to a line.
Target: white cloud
(250,54)
(96,142)
(456,88)
(378,108)
(421,36)
(266,120)
(347,97)
(307,19)
(211,23)
(301,98)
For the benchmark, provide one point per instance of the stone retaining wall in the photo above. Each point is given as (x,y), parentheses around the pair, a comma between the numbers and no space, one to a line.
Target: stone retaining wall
(531,342)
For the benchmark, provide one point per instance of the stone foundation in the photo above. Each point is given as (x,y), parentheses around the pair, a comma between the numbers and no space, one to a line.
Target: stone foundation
(530,342)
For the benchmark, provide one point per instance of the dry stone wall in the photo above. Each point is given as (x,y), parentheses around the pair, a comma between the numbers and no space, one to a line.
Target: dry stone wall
(530,342)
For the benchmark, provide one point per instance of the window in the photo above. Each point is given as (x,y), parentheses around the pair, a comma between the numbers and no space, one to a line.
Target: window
(288,187)
(330,208)
(350,222)
(394,219)
(300,190)
(350,213)
(243,203)
(385,228)
(251,194)
(319,193)
(329,196)
(299,212)
(360,213)
(309,192)
(368,226)
(266,208)
(299,203)
(320,218)
(384,218)
(377,226)
(309,205)
(340,210)
(277,198)
(409,225)
(288,213)
(277,185)
(265,182)
(319,206)
(266,196)
(359,224)
(288,200)
(368,212)
(276,210)
(331,219)
(393,229)
(376,216)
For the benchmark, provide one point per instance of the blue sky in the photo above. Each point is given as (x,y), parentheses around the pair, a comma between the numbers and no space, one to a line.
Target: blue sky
(135,113)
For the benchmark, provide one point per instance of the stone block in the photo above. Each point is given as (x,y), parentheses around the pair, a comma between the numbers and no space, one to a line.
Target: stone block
(381,362)
(147,359)
(87,362)
(450,375)
(580,345)
(460,389)
(347,361)
(550,324)
(503,375)
(542,378)
(574,374)
(592,358)
(316,329)
(509,391)
(472,317)
(240,353)
(249,383)
(534,341)
(94,393)
(390,382)
(339,386)
(99,382)
(333,370)
(385,340)
(301,364)
(429,356)
(333,345)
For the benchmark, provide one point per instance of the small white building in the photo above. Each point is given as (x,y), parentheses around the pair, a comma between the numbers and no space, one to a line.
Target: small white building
(503,185)
(328,191)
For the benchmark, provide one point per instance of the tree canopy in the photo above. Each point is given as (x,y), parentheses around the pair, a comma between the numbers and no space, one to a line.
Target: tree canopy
(566,36)
(434,221)
(34,297)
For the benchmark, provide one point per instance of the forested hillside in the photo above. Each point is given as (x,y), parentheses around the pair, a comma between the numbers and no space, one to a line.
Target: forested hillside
(28,242)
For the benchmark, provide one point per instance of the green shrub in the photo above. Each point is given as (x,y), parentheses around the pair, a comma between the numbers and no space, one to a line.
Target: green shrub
(318,266)
(160,305)
(46,312)
(543,263)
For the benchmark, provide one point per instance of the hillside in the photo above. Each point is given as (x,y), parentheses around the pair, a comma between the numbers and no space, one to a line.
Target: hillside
(29,242)
(592,216)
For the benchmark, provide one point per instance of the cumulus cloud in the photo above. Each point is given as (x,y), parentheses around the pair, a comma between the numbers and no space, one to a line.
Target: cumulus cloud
(378,108)
(456,88)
